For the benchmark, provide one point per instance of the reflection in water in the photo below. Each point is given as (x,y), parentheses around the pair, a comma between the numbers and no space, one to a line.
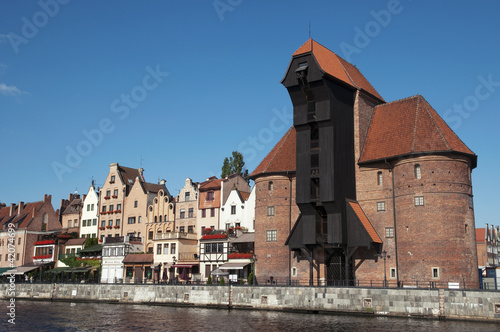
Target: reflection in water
(65,316)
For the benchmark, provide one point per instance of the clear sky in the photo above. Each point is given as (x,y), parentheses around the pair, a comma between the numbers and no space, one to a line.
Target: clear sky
(176,86)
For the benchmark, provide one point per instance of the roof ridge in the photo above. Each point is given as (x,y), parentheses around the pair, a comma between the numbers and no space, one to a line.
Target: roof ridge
(345,71)
(398,100)
(415,126)
(438,129)
(283,139)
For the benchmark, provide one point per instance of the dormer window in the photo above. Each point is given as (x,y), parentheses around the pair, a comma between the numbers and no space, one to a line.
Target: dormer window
(210,196)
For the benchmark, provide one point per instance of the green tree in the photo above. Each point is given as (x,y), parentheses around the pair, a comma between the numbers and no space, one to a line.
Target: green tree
(90,241)
(234,164)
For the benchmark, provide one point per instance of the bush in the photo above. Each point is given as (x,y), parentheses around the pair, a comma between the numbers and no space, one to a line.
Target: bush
(222,282)
(209,281)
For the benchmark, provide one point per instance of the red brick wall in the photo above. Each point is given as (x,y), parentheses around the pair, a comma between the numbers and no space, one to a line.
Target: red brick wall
(439,234)
(272,257)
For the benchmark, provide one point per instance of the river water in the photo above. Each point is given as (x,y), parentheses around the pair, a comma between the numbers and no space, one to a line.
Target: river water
(66,316)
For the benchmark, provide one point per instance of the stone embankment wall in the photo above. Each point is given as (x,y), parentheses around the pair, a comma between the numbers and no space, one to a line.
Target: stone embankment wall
(432,303)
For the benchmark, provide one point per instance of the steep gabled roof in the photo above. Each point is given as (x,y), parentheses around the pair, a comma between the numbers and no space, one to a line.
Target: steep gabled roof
(333,65)
(211,184)
(480,235)
(366,223)
(409,126)
(282,156)
(24,218)
(129,174)
(155,188)
(74,206)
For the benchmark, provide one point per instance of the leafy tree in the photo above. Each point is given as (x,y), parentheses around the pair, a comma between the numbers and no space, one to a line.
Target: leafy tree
(90,241)
(234,164)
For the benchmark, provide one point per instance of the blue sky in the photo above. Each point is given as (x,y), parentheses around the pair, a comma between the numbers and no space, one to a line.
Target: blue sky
(176,86)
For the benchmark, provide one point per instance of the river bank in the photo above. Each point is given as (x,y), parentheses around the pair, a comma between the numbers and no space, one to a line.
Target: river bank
(422,303)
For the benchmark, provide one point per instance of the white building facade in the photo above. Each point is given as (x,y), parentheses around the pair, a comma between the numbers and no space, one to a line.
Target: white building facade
(90,214)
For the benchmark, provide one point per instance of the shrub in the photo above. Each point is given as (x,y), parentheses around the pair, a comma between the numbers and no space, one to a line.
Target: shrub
(222,282)
(209,280)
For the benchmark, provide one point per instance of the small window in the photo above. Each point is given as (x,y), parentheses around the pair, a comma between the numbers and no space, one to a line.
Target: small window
(379,178)
(190,213)
(210,196)
(165,248)
(88,207)
(94,222)
(187,196)
(418,174)
(389,232)
(108,193)
(103,223)
(158,249)
(380,206)
(419,200)
(111,207)
(212,212)
(131,220)
(233,209)
(466,228)
(150,235)
(471,203)
(393,274)
(92,207)
(135,203)
(119,207)
(435,273)
(294,271)
(270,210)
(104,209)
(204,213)
(271,236)
(183,214)
(181,229)
(115,192)
(270,186)
(110,222)
(117,222)
(112,179)
(190,229)
(139,220)
(172,249)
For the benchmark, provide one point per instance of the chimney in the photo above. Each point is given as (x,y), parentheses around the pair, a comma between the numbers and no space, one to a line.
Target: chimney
(162,182)
(20,208)
(12,209)
(47,198)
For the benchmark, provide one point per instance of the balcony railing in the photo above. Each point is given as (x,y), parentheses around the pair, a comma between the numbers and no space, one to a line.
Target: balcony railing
(175,235)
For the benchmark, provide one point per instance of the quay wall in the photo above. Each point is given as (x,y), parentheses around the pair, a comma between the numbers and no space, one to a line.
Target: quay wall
(429,303)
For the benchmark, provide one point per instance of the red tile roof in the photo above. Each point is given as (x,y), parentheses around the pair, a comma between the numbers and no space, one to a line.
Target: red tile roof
(244,195)
(366,223)
(129,174)
(282,156)
(480,234)
(76,242)
(211,184)
(409,126)
(335,66)
(139,258)
(24,218)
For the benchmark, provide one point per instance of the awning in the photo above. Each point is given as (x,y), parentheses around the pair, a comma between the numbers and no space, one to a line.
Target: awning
(187,266)
(234,266)
(57,270)
(21,270)
(219,272)
(79,269)
(3,269)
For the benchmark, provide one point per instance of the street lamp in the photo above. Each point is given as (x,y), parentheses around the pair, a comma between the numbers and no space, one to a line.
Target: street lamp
(385,257)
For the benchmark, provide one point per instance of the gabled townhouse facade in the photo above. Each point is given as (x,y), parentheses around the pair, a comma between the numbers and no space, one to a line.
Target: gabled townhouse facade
(160,217)
(90,214)
(30,222)
(238,211)
(186,206)
(112,195)
(142,195)
(114,251)
(209,203)
(71,213)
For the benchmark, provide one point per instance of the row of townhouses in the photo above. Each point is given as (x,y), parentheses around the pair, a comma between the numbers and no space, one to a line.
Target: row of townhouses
(359,191)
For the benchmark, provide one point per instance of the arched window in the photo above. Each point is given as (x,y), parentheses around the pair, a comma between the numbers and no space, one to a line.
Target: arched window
(379,178)
(270,186)
(418,174)
(160,218)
